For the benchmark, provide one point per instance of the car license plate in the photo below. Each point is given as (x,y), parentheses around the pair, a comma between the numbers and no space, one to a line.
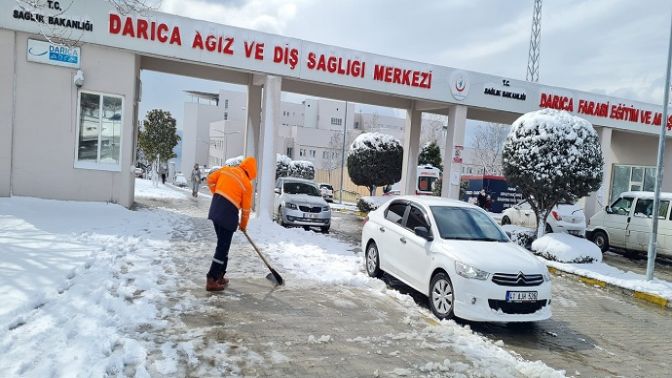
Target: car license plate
(521,296)
(308,215)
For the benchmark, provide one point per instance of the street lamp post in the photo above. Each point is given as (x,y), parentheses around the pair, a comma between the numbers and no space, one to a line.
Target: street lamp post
(345,128)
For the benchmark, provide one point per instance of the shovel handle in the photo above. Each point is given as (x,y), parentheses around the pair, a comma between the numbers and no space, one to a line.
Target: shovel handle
(256,249)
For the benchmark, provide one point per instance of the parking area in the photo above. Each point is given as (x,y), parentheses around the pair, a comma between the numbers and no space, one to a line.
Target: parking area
(592,332)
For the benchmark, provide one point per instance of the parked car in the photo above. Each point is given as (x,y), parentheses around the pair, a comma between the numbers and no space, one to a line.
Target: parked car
(626,224)
(565,217)
(139,172)
(298,202)
(181,181)
(327,192)
(456,255)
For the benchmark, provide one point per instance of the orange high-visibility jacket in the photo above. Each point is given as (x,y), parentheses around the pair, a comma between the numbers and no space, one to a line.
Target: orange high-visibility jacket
(235,184)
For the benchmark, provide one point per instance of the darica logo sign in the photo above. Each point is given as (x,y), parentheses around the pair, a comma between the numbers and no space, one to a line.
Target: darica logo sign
(50,53)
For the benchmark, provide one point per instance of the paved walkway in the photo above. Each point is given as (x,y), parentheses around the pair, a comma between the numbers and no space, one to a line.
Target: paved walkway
(304,329)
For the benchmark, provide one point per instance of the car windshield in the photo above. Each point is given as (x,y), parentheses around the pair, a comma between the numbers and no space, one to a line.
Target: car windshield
(462,223)
(327,187)
(301,188)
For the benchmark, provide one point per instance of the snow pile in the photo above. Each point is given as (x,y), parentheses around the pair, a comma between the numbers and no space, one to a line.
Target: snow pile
(566,248)
(308,255)
(302,169)
(374,141)
(79,287)
(370,203)
(145,189)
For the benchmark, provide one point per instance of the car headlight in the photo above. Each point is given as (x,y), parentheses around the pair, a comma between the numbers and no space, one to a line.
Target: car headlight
(325,208)
(290,206)
(468,271)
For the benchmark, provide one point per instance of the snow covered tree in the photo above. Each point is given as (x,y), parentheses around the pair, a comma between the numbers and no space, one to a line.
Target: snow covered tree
(282,163)
(552,156)
(302,169)
(375,159)
(431,154)
(158,136)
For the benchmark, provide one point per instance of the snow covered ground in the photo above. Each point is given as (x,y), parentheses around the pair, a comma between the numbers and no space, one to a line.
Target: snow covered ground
(86,286)
(618,277)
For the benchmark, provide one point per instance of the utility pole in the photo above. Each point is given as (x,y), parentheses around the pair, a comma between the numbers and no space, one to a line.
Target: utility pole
(651,260)
(345,128)
(535,41)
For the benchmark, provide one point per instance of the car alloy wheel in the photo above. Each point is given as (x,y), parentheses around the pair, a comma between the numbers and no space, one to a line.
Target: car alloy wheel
(441,296)
(506,220)
(372,260)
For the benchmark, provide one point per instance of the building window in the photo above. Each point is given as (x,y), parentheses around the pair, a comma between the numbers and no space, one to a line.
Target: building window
(325,154)
(356,124)
(312,153)
(302,152)
(626,178)
(226,103)
(99,131)
(336,121)
(290,152)
(226,116)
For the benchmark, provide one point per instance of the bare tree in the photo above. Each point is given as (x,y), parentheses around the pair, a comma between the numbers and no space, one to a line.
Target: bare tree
(333,159)
(488,143)
(433,129)
(373,123)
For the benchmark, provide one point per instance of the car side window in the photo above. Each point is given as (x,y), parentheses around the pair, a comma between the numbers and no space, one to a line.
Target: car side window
(395,212)
(644,208)
(416,218)
(622,206)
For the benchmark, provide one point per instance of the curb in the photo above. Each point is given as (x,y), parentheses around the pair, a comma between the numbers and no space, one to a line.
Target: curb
(640,295)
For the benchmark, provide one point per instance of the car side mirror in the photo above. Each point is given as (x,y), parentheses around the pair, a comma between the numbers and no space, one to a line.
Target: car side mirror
(423,233)
(277,190)
(608,210)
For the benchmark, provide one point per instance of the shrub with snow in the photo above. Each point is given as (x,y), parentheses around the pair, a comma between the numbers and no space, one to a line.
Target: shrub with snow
(375,159)
(302,169)
(282,163)
(234,161)
(552,156)
(370,203)
(566,248)
(520,235)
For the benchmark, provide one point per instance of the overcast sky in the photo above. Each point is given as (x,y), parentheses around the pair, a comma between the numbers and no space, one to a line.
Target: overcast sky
(615,47)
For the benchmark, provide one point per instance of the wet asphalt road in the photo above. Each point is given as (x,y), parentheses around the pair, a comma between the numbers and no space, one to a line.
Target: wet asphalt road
(592,333)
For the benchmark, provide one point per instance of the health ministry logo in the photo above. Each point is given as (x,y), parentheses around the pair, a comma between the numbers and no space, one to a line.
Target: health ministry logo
(459,85)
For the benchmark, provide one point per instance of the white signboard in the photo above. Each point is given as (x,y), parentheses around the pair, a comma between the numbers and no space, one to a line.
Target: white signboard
(174,37)
(51,53)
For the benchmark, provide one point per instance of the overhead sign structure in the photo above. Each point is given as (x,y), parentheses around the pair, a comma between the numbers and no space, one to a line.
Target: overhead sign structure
(51,53)
(170,36)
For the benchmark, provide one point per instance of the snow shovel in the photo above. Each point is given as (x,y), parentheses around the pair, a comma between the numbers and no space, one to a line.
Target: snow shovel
(274,276)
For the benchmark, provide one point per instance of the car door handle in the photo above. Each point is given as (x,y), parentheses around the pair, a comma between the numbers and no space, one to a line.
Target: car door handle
(382,229)
(403,240)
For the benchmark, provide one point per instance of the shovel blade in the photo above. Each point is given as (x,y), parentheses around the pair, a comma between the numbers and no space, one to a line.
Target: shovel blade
(275,278)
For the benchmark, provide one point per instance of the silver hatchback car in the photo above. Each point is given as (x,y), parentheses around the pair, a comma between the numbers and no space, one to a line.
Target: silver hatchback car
(299,203)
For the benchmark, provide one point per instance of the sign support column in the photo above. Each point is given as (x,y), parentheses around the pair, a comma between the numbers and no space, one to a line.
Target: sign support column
(452,156)
(409,165)
(266,154)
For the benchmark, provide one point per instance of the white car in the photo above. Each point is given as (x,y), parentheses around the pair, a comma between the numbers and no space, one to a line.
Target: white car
(181,181)
(564,217)
(299,203)
(454,253)
(327,191)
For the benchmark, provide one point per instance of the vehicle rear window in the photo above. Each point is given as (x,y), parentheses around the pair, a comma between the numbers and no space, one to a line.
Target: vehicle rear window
(301,188)
(460,223)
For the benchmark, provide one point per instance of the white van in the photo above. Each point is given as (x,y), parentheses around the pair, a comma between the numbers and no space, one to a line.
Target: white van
(627,222)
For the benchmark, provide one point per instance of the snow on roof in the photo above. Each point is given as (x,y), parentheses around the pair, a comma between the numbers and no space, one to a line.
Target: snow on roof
(647,195)
(435,201)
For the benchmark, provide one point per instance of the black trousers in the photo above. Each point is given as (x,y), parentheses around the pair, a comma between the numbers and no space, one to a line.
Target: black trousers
(221,258)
